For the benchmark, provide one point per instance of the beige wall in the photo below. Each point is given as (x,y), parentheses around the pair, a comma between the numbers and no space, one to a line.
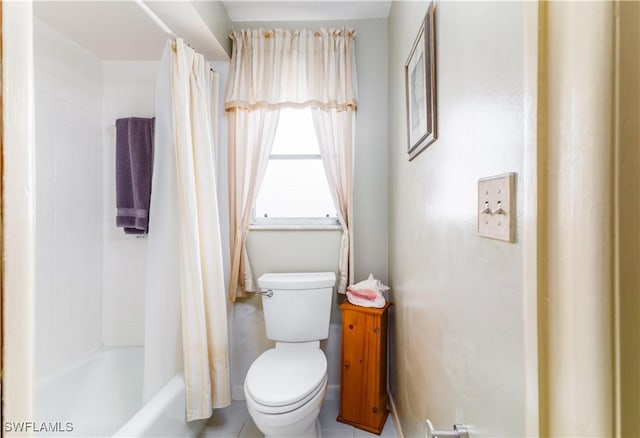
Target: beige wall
(458,327)
(577,393)
(215,15)
(628,216)
(18,198)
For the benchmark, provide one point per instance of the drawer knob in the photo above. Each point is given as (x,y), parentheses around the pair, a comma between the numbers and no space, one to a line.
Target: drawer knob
(347,364)
(376,330)
(375,410)
(350,326)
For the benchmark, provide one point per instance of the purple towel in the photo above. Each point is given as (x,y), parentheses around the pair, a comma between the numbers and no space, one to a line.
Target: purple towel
(134,169)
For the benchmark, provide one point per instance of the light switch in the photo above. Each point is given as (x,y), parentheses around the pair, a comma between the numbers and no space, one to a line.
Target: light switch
(496,207)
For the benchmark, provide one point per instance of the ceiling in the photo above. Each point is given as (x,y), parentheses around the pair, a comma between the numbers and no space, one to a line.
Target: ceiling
(305,10)
(111,30)
(122,30)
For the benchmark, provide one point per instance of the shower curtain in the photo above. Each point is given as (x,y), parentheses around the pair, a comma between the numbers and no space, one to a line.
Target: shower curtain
(185,280)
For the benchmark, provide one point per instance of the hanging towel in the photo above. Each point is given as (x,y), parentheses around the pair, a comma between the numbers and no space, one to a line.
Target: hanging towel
(134,168)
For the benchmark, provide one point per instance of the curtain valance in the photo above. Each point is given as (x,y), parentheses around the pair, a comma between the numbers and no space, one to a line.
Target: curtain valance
(278,68)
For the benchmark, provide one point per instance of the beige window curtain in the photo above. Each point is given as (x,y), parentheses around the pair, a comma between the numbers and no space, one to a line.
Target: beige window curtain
(251,134)
(336,136)
(274,69)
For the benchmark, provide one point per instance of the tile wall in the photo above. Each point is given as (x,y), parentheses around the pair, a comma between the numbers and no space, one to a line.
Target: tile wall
(68,94)
(90,276)
(128,91)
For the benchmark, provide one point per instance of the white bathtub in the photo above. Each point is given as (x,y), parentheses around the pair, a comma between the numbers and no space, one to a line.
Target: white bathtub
(164,415)
(96,395)
(102,396)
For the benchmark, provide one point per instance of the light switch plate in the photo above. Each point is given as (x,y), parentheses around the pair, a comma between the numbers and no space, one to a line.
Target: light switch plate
(496,207)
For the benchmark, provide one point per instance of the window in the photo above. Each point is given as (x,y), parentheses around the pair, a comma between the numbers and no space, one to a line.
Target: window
(295,189)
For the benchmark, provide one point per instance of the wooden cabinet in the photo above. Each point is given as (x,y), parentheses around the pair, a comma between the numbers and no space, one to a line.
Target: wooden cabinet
(363,390)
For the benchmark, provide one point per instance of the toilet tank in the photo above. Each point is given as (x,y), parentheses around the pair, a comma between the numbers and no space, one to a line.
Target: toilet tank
(299,309)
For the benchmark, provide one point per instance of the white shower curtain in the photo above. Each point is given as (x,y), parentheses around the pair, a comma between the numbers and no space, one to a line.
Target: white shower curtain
(192,210)
(162,337)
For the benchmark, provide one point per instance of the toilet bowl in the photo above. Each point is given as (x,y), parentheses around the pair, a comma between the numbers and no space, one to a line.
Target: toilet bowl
(285,386)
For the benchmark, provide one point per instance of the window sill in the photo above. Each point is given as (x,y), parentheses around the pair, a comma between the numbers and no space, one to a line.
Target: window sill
(294,227)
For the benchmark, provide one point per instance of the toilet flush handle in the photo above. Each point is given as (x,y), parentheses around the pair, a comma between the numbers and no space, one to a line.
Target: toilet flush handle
(267,292)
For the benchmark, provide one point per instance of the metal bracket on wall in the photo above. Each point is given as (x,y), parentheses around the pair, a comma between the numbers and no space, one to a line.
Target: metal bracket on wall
(459,431)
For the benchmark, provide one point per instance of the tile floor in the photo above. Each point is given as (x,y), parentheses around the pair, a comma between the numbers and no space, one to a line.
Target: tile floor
(235,422)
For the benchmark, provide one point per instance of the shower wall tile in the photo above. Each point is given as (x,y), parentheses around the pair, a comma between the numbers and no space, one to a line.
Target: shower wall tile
(90,276)
(68,200)
(128,91)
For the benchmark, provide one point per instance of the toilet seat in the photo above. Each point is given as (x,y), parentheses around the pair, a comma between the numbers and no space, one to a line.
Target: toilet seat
(287,424)
(275,410)
(283,379)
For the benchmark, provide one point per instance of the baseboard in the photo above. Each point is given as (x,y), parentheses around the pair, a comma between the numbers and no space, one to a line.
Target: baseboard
(333,392)
(394,415)
(237,393)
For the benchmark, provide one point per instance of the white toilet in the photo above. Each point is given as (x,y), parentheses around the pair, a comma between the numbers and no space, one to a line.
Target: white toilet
(285,386)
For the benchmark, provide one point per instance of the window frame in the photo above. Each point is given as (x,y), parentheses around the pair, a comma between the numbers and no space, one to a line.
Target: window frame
(331,222)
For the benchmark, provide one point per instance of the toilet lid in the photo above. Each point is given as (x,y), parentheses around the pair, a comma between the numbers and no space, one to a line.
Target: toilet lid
(281,377)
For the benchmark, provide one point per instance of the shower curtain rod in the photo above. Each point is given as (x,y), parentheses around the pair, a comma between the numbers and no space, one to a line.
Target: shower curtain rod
(147,10)
(211,69)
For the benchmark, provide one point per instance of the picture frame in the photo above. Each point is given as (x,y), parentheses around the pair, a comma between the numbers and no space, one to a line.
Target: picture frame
(420,86)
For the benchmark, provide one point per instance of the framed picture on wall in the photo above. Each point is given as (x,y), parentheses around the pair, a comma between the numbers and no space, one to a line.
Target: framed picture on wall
(420,85)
